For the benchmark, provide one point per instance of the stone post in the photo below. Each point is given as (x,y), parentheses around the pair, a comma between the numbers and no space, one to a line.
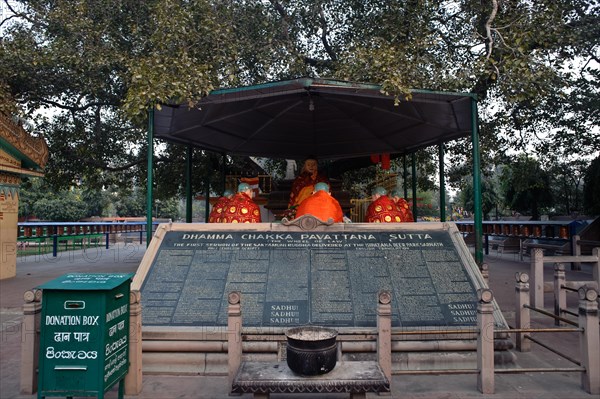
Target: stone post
(576,251)
(384,333)
(522,314)
(537,275)
(589,339)
(485,341)
(133,379)
(30,341)
(560,295)
(234,334)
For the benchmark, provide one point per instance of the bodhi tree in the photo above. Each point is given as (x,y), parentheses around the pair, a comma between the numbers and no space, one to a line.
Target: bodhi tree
(99,65)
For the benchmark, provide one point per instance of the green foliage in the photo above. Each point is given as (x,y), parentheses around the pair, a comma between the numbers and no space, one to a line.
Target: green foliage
(99,66)
(168,209)
(36,199)
(591,192)
(66,208)
(489,198)
(130,203)
(527,187)
(567,178)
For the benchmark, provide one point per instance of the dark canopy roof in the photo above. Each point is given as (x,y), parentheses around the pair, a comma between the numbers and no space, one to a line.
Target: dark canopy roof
(324,118)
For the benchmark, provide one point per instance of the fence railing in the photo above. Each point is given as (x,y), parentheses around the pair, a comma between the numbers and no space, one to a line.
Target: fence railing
(560,237)
(54,234)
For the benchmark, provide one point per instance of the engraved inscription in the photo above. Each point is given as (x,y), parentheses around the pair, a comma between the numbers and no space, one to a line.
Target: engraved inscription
(295,278)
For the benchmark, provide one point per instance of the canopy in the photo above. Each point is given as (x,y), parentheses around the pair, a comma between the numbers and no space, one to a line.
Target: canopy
(327,119)
(323,118)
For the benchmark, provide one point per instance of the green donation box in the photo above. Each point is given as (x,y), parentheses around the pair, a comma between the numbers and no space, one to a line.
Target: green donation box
(84,338)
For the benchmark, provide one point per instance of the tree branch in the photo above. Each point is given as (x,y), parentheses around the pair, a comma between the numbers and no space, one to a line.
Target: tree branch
(324,33)
(73,108)
(488,29)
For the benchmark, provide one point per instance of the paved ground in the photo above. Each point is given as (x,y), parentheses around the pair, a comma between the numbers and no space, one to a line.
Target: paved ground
(34,270)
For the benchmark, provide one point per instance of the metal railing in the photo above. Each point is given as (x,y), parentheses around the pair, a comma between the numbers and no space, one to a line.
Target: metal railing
(53,234)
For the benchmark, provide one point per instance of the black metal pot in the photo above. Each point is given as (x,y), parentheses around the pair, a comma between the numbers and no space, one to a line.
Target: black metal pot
(311,350)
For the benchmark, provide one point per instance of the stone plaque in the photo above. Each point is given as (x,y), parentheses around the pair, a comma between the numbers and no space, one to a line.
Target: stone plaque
(294,278)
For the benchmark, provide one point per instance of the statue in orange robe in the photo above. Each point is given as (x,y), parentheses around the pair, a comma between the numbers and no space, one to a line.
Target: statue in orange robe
(382,209)
(304,184)
(402,204)
(321,205)
(219,207)
(240,208)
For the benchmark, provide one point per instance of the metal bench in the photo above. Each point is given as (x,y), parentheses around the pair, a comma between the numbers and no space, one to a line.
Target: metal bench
(356,378)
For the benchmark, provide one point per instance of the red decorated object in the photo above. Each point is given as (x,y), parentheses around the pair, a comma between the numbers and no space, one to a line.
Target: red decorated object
(241,209)
(407,215)
(383,210)
(217,210)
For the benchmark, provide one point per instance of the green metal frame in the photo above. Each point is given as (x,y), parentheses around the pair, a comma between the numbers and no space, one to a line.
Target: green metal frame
(442,184)
(414,184)
(477,214)
(150,180)
(188,184)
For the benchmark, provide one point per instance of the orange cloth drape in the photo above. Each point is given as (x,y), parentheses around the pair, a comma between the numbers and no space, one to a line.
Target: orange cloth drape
(322,206)
(303,187)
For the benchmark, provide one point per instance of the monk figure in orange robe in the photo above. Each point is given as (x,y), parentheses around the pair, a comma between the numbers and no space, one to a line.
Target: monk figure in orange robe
(219,207)
(382,209)
(240,208)
(402,204)
(321,205)
(304,184)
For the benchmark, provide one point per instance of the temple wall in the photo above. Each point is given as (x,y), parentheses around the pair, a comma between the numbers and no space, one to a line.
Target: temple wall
(9,206)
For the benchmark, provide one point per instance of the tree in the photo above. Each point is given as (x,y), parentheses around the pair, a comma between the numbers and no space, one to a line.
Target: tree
(527,186)
(567,177)
(591,191)
(37,199)
(101,65)
(489,198)
(130,202)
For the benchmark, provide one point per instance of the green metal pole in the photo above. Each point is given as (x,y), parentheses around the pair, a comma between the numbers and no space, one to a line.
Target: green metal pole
(188,184)
(405,177)
(442,185)
(150,180)
(414,184)
(477,215)
(224,171)
(207,203)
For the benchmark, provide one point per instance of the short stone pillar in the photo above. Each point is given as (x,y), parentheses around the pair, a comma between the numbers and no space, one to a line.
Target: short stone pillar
(522,313)
(485,341)
(575,251)
(384,333)
(537,275)
(560,295)
(589,339)
(30,341)
(133,379)
(234,334)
